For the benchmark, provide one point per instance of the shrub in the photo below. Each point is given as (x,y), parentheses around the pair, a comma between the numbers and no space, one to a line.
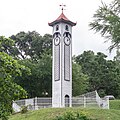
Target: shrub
(72,116)
(24,109)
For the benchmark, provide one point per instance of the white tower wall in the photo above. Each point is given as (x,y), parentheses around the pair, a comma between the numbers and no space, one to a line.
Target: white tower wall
(62,68)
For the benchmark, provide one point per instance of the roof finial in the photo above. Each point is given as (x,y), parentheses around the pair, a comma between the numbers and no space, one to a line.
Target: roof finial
(62,7)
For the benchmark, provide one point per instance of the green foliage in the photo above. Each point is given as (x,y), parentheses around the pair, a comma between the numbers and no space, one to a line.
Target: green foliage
(31,45)
(115,104)
(103,75)
(72,116)
(107,22)
(117,57)
(6,45)
(39,81)
(79,80)
(9,91)
(24,109)
(34,51)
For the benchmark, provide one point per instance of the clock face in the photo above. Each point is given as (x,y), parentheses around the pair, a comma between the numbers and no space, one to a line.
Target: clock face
(57,41)
(67,40)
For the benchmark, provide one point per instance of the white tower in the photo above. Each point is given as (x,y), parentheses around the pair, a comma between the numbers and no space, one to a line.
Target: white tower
(62,61)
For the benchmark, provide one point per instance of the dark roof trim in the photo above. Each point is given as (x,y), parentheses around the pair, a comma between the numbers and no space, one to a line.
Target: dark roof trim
(62,20)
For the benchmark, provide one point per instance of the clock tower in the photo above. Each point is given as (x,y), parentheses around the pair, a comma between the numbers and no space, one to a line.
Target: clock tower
(62,61)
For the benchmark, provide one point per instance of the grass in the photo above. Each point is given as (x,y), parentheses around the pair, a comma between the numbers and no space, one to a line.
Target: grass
(92,112)
(115,104)
(51,113)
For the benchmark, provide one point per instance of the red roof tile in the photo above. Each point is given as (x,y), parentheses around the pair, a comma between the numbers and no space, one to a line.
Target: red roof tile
(62,18)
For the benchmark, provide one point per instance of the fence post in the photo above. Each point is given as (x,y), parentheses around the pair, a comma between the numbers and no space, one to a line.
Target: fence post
(36,106)
(108,103)
(84,100)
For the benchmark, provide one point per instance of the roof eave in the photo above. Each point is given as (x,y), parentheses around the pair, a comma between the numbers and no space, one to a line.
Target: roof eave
(62,20)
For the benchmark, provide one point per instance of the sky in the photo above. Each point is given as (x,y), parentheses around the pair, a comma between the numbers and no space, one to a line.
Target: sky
(30,15)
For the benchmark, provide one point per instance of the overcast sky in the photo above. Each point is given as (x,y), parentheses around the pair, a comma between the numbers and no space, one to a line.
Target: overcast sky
(29,15)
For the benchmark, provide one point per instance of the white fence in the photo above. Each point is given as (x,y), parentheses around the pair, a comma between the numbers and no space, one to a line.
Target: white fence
(32,103)
(101,102)
(91,100)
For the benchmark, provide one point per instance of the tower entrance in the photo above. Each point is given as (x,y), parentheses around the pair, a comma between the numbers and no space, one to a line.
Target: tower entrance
(67,101)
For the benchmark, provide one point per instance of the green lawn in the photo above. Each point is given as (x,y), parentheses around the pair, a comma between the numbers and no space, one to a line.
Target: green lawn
(51,113)
(115,104)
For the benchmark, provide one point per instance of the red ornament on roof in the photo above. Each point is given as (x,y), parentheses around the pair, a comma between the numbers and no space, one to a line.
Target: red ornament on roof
(62,18)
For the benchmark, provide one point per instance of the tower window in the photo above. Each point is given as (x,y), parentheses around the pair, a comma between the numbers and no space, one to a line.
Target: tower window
(67,28)
(57,28)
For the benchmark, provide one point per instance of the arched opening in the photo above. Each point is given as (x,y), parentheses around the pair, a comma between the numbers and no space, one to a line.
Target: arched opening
(66,28)
(57,27)
(67,101)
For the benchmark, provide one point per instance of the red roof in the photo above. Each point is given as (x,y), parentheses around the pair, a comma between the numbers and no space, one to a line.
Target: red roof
(62,18)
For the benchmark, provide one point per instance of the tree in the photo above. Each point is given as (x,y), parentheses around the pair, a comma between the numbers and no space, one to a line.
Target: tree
(107,22)
(103,75)
(9,90)
(31,45)
(9,70)
(117,57)
(79,80)
(6,45)
(33,51)
(39,81)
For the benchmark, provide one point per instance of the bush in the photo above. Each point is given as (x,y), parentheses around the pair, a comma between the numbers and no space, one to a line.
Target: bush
(24,109)
(72,116)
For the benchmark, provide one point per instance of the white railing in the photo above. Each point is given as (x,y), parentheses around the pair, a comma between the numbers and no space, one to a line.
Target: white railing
(91,100)
(84,102)
(102,102)
(32,103)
